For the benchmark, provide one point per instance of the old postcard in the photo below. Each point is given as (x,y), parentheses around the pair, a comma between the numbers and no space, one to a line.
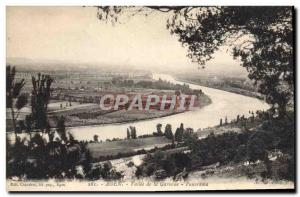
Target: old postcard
(150,98)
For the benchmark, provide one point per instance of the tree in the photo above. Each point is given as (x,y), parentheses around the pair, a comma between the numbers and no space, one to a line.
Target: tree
(133,132)
(15,100)
(61,128)
(28,124)
(260,37)
(189,137)
(96,138)
(256,149)
(179,133)
(105,170)
(158,128)
(21,125)
(128,134)
(139,172)
(168,132)
(40,99)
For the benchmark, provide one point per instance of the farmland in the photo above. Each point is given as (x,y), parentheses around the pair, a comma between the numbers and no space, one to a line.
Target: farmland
(125,146)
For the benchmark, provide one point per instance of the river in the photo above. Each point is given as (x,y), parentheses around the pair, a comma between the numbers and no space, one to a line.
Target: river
(223,104)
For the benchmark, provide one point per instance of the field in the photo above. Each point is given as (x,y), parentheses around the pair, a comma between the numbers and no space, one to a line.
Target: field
(125,146)
(55,109)
(100,117)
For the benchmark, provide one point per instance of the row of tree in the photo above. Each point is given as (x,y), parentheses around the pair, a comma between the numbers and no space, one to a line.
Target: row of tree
(131,132)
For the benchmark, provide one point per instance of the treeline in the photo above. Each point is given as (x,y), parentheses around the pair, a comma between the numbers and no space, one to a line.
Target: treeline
(160,84)
(179,136)
(220,83)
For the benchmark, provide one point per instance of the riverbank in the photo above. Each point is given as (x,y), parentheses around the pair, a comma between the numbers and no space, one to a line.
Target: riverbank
(228,89)
(117,117)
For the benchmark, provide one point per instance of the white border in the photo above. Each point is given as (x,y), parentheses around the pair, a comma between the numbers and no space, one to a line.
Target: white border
(152,2)
(5,3)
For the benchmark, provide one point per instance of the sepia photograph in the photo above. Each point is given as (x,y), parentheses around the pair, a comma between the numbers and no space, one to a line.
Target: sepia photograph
(150,98)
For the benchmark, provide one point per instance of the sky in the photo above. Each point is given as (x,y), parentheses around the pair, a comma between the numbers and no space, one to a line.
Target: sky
(74,34)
